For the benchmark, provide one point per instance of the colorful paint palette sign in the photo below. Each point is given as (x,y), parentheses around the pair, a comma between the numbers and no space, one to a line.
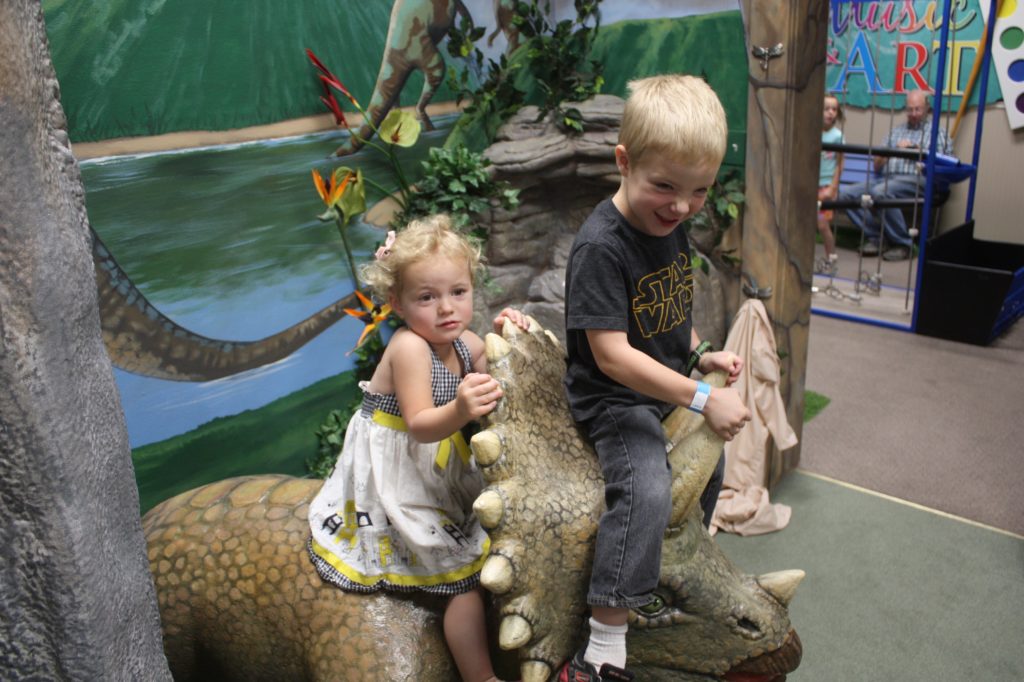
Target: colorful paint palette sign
(1008,57)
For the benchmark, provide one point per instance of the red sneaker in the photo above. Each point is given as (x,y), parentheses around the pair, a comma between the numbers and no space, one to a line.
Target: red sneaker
(578,670)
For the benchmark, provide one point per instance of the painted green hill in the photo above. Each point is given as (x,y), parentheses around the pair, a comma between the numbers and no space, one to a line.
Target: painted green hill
(708,45)
(146,67)
(276,438)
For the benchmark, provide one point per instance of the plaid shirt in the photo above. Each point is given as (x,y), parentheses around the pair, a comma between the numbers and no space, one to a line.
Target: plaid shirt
(919,137)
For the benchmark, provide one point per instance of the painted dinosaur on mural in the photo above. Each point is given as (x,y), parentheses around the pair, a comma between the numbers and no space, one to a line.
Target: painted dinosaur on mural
(141,339)
(504,11)
(239,598)
(416,29)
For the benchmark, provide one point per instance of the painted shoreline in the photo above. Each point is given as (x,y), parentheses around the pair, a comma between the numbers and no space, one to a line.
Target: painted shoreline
(190,139)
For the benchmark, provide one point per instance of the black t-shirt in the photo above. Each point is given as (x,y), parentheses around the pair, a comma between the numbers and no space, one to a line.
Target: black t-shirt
(622,279)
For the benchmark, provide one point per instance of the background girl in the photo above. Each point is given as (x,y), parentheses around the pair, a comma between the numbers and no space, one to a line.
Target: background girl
(396,512)
(828,181)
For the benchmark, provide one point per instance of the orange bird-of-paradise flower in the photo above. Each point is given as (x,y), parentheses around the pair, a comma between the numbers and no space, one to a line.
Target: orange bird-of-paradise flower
(371,315)
(331,193)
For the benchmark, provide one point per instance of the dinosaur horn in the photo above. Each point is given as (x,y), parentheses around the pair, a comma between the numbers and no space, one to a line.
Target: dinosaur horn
(694,455)
(781,584)
(535,671)
(496,347)
(514,632)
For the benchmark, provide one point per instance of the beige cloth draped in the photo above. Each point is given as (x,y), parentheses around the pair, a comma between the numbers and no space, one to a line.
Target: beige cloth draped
(743,504)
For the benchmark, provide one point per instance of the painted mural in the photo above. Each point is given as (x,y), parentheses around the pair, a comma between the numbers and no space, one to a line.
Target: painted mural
(879,51)
(223,289)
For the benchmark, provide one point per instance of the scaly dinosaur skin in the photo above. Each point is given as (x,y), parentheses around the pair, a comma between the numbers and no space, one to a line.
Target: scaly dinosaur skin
(414,32)
(240,599)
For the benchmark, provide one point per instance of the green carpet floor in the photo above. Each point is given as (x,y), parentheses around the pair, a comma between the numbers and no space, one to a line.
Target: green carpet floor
(893,592)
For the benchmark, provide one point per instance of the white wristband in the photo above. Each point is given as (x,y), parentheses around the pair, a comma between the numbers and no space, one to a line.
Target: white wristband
(700,398)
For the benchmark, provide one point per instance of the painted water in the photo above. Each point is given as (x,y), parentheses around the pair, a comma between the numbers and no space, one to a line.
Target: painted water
(226,242)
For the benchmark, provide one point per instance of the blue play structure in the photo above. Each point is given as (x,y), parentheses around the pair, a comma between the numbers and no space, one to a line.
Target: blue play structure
(967,289)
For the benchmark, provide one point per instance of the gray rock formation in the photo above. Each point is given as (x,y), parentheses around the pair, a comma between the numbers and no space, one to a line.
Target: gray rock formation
(561,178)
(77,597)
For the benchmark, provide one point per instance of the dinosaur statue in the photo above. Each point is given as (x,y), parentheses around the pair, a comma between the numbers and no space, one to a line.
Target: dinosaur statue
(239,598)
(416,28)
(141,339)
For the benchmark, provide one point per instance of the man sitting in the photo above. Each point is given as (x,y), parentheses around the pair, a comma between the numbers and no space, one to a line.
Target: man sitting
(900,179)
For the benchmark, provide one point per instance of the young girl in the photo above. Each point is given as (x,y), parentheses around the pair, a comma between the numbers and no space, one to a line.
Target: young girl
(828,181)
(396,512)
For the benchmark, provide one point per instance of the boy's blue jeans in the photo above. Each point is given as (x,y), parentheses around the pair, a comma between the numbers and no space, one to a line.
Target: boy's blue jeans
(630,446)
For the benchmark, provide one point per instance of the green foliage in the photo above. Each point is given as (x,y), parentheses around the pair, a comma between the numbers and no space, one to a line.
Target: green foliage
(558,57)
(721,209)
(813,404)
(330,436)
(456,181)
(723,204)
(553,58)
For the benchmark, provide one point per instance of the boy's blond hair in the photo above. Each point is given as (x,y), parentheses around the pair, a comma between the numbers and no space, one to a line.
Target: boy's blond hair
(676,115)
(428,237)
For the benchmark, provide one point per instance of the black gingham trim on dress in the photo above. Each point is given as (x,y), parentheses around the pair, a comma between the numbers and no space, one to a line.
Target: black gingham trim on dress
(331,575)
(444,385)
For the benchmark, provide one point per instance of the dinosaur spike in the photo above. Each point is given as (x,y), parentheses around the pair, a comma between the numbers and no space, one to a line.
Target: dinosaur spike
(515,631)
(553,339)
(680,424)
(693,460)
(781,584)
(489,508)
(486,447)
(509,330)
(496,347)
(497,575)
(533,326)
(535,671)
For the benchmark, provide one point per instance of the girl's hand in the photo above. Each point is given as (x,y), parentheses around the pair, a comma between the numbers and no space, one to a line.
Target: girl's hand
(514,316)
(725,360)
(725,412)
(478,394)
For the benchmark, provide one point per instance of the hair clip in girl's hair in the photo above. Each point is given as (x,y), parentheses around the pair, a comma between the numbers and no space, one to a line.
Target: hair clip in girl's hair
(384,251)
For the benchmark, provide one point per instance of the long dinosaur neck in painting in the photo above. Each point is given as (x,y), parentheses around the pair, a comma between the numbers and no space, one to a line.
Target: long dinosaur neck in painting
(142,340)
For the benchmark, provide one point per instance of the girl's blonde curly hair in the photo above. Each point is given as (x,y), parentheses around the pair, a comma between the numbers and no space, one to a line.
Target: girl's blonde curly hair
(421,239)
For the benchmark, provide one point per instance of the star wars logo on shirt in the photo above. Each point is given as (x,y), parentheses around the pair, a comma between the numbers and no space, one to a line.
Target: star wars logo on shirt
(660,305)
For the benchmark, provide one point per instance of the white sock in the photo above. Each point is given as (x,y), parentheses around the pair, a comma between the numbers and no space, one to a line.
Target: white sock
(607,645)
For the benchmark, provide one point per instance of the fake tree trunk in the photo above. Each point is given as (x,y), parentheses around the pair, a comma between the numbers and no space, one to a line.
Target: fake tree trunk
(76,595)
(786,50)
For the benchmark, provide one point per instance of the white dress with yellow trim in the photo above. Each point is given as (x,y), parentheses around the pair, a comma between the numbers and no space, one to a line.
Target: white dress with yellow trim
(397,514)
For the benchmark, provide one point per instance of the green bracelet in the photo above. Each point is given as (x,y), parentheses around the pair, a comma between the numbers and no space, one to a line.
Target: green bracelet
(702,348)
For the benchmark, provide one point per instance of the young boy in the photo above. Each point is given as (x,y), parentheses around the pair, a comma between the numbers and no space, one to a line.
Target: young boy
(628,291)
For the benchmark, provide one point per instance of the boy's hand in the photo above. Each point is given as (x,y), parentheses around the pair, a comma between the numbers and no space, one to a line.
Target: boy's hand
(725,412)
(725,360)
(514,316)
(477,395)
